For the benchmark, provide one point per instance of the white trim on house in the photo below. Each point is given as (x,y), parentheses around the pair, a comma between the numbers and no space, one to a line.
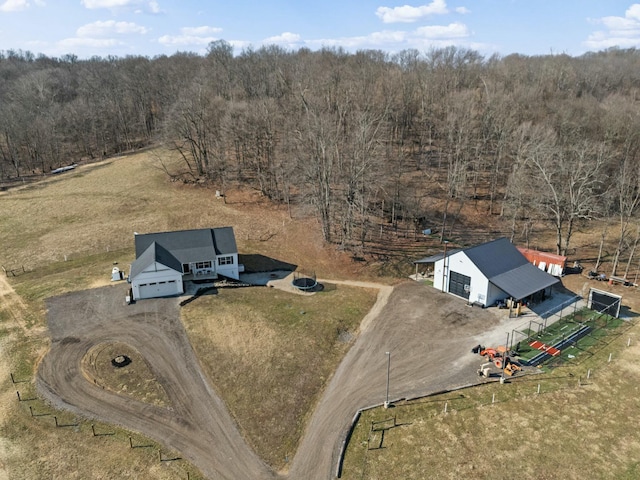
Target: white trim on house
(165,260)
(157,280)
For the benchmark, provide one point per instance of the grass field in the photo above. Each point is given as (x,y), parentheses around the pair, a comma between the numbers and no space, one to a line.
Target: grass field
(270,352)
(574,428)
(67,232)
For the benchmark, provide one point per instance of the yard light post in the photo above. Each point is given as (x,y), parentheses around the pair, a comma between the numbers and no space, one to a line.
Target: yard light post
(444,265)
(386,402)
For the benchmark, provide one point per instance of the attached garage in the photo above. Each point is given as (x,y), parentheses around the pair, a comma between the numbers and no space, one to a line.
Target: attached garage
(156,273)
(164,288)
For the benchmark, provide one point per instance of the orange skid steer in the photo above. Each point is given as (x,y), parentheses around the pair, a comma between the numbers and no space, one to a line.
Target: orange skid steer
(498,355)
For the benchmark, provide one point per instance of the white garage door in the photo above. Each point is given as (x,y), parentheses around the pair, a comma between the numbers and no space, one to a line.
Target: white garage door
(159,289)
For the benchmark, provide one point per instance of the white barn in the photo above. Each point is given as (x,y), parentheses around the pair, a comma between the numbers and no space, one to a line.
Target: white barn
(165,260)
(489,273)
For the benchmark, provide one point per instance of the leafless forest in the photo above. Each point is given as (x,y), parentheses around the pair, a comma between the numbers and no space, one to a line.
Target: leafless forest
(363,140)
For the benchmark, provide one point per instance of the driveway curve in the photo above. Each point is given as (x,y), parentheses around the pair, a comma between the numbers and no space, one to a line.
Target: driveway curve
(428,334)
(197,424)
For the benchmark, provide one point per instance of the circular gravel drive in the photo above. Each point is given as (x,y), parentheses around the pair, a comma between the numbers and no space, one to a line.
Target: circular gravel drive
(428,334)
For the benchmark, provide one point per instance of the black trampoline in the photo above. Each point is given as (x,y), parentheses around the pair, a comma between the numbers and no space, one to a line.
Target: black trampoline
(304,280)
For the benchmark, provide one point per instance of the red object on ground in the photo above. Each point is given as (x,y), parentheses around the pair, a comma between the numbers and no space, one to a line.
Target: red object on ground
(554,352)
(490,353)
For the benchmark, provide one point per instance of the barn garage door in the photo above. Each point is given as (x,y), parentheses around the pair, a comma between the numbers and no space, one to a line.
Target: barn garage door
(159,289)
(457,283)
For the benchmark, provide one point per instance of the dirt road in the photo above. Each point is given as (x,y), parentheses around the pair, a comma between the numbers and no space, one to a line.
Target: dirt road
(197,424)
(429,336)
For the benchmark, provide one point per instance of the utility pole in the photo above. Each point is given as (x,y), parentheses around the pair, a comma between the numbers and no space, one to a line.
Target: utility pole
(504,358)
(386,402)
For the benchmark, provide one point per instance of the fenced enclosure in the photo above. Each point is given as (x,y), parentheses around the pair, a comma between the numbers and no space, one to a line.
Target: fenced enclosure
(571,336)
(604,302)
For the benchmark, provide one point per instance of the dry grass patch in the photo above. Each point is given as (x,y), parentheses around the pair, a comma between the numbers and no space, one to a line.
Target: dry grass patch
(566,432)
(269,354)
(135,379)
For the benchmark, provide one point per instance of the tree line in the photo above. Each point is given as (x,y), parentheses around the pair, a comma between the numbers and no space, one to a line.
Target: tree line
(359,138)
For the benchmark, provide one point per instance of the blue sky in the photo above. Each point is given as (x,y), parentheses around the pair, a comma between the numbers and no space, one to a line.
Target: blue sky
(154,27)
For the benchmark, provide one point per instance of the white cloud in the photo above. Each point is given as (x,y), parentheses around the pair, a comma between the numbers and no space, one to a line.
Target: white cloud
(109,27)
(14,5)
(92,4)
(621,32)
(151,5)
(18,5)
(203,35)
(387,38)
(394,40)
(453,30)
(409,14)
(76,42)
(463,10)
(287,38)
(177,40)
(200,31)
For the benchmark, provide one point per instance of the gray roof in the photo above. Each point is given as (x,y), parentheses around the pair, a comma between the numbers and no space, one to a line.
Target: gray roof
(154,253)
(508,269)
(436,257)
(496,257)
(523,281)
(191,245)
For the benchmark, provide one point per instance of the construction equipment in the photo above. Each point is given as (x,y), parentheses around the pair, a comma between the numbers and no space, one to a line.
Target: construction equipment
(485,370)
(499,356)
(489,353)
(511,368)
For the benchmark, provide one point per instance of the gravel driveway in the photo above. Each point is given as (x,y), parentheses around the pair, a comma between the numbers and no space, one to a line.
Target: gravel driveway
(429,335)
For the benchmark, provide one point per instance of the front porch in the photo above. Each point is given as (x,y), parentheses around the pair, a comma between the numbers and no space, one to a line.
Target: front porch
(202,274)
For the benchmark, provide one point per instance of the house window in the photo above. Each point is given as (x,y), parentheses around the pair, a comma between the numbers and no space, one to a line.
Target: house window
(225,260)
(186,268)
(201,265)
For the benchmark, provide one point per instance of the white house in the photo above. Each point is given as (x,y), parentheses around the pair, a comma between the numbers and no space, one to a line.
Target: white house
(165,260)
(488,273)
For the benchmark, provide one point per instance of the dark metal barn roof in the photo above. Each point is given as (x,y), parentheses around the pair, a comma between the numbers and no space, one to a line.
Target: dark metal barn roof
(523,281)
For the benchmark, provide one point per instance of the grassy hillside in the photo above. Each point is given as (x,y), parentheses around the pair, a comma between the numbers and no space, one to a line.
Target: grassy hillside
(67,231)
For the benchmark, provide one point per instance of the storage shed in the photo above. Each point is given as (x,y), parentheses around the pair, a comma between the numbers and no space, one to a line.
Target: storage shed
(490,273)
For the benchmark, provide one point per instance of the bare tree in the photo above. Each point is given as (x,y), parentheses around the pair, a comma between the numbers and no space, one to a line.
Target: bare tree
(195,130)
(568,180)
